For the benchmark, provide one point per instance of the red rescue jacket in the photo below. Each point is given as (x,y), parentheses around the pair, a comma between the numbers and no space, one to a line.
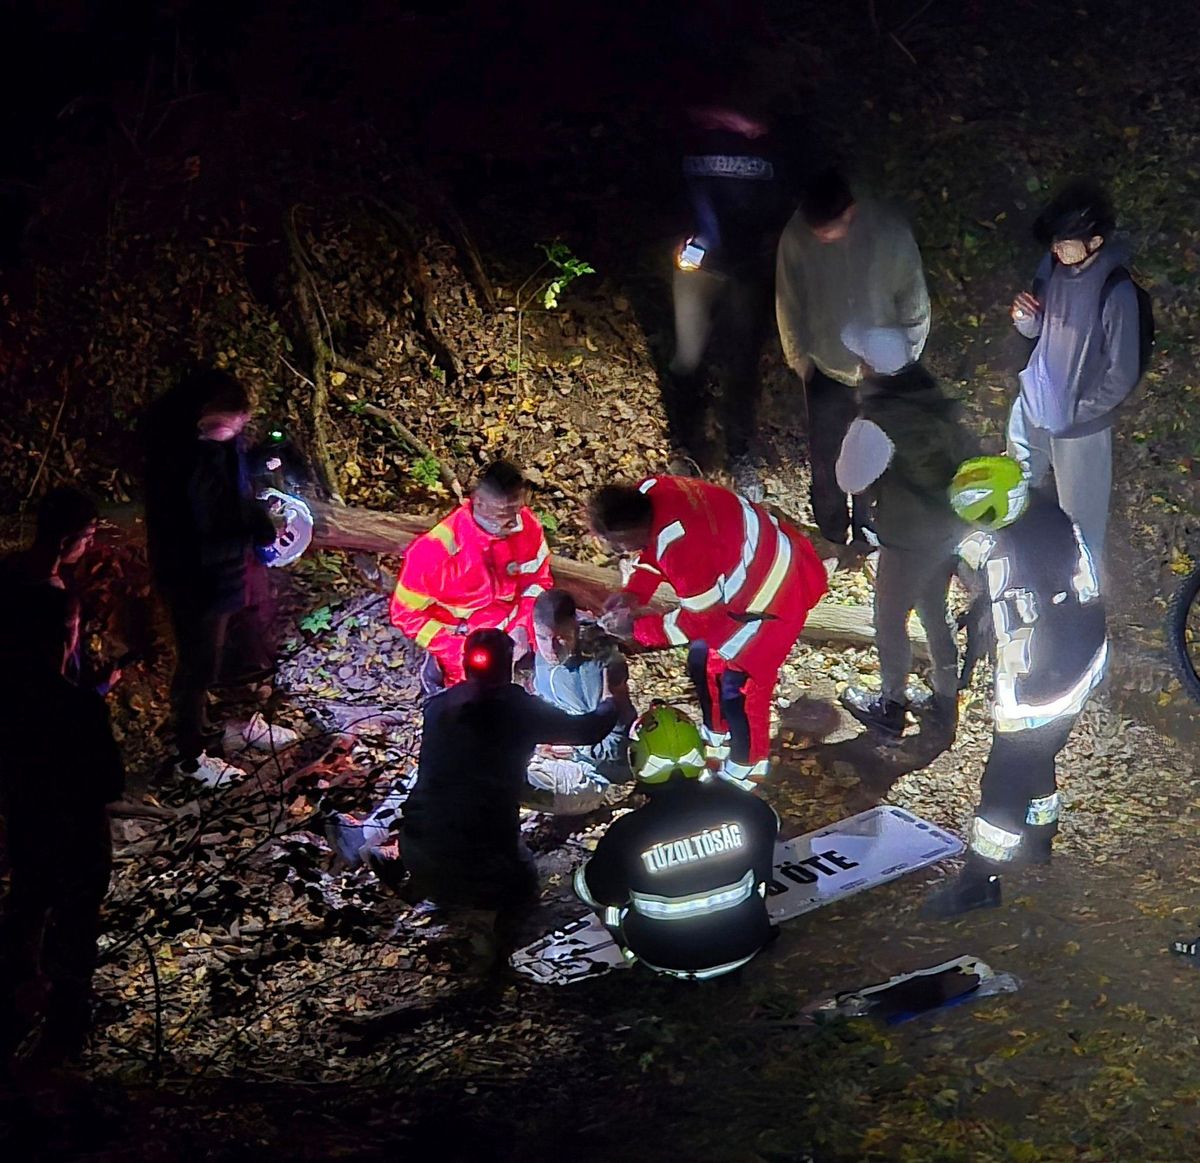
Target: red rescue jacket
(457,578)
(733,565)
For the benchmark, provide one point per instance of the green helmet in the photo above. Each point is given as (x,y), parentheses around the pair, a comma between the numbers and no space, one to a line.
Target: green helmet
(665,741)
(989,491)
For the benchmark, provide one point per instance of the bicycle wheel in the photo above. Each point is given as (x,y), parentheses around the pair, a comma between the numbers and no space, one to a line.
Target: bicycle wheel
(1183,633)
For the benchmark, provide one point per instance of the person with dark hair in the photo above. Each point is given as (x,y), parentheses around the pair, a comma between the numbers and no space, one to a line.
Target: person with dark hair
(724,271)
(59,769)
(481,567)
(202,524)
(461,837)
(842,261)
(1083,311)
(745,581)
(573,664)
(900,455)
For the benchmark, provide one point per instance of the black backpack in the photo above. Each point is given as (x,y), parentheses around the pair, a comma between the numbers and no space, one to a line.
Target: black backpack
(1145,314)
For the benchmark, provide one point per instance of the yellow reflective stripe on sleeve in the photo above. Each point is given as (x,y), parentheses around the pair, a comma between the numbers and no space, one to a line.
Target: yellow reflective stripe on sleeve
(429,631)
(443,533)
(410,598)
(536,564)
(675,636)
(779,570)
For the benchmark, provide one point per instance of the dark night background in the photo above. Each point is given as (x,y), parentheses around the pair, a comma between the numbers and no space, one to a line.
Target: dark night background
(152,154)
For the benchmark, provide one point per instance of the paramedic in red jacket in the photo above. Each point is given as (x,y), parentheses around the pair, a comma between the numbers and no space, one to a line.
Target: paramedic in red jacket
(745,581)
(481,568)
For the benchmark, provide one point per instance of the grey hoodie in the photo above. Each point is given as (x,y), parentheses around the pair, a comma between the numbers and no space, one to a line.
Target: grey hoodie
(1086,361)
(577,687)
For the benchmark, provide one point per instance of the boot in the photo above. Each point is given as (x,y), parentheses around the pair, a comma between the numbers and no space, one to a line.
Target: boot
(974,888)
(939,718)
(874,712)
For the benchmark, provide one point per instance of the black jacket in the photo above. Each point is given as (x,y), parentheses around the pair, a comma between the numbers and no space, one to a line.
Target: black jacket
(687,873)
(475,748)
(201,517)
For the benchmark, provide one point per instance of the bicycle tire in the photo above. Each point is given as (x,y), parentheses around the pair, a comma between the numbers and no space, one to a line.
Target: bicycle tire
(1177,633)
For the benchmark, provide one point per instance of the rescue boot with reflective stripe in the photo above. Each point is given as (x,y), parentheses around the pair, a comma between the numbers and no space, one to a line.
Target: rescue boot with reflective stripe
(874,712)
(976,887)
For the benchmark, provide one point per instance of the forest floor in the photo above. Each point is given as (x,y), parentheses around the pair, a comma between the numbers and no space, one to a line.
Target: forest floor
(256,999)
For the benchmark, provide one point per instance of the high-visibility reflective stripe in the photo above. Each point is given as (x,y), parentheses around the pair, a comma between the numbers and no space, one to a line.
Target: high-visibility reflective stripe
(410,599)
(1083,580)
(533,591)
(779,570)
(445,535)
(1010,714)
(976,547)
(675,908)
(702,974)
(646,486)
(746,775)
(613,916)
(698,602)
(737,579)
(1043,811)
(992,842)
(536,564)
(716,743)
(737,641)
(675,636)
(581,888)
(667,537)
(997,576)
(429,631)
(508,619)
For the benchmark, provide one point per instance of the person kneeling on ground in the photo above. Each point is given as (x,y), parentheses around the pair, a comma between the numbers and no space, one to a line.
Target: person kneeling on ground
(573,664)
(461,837)
(682,881)
(1051,651)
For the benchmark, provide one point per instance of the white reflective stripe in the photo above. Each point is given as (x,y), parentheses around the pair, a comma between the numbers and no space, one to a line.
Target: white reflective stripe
(745,775)
(692,757)
(533,591)
(997,576)
(1083,580)
(1010,714)
(646,486)
(667,537)
(581,888)
(975,548)
(655,764)
(612,917)
(508,619)
(1043,811)
(702,974)
(536,564)
(716,743)
(779,570)
(1026,606)
(710,597)
(992,842)
(737,579)
(675,636)
(731,648)
(674,908)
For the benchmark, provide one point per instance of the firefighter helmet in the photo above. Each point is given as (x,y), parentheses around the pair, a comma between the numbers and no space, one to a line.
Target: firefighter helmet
(989,491)
(665,741)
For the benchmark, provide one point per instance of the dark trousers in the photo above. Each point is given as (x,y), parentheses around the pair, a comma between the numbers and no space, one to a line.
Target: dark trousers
(52,918)
(744,306)
(199,630)
(831,407)
(731,697)
(483,881)
(1020,769)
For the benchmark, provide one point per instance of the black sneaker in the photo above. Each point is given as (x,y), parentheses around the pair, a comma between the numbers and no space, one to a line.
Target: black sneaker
(967,892)
(874,712)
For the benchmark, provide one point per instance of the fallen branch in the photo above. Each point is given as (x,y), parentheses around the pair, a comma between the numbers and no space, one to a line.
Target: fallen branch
(306,293)
(416,444)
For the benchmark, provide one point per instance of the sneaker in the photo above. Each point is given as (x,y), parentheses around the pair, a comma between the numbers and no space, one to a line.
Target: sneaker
(968,891)
(263,736)
(209,771)
(874,712)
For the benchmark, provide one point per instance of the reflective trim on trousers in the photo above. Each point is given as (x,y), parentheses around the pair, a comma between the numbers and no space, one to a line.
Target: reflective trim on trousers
(1012,715)
(992,842)
(716,743)
(579,883)
(676,908)
(1043,811)
(675,636)
(746,775)
(702,974)
(734,645)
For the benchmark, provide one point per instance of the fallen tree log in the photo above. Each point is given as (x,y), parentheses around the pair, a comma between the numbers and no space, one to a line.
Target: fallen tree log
(350,527)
